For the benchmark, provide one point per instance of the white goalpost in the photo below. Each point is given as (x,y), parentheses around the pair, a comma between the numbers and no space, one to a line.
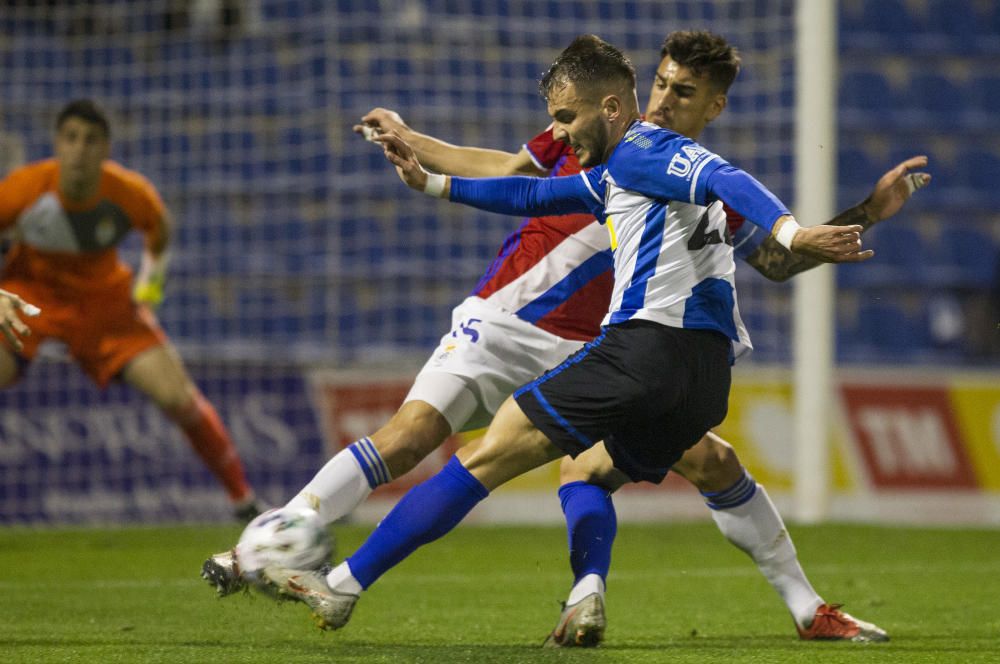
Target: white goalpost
(813,312)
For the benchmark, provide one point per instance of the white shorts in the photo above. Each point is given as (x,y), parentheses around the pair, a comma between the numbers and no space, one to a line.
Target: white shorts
(487,355)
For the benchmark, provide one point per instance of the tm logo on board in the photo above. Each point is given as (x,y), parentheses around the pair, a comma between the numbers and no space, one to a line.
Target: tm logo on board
(908,437)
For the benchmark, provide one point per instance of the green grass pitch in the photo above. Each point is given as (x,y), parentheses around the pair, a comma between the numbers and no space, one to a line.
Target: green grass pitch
(677,593)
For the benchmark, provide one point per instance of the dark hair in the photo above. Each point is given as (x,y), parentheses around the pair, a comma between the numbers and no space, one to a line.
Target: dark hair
(704,53)
(86,110)
(588,61)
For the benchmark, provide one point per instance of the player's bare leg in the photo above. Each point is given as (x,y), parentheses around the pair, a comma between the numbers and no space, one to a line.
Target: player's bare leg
(711,465)
(413,432)
(416,430)
(512,446)
(346,480)
(8,367)
(746,516)
(160,374)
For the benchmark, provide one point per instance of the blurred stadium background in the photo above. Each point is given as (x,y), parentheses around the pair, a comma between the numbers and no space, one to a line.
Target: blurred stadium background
(308,285)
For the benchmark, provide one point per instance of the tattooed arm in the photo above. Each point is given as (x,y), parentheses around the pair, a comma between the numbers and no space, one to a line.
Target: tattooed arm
(889,195)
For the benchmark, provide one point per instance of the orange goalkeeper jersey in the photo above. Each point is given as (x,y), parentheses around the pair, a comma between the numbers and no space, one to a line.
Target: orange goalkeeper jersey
(69,245)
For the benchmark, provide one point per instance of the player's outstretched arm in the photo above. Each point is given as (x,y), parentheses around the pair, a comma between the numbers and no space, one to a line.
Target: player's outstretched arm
(514,195)
(11,325)
(744,194)
(889,195)
(442,157)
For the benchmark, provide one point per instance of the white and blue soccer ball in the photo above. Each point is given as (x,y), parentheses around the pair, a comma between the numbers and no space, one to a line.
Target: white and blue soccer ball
(294,538)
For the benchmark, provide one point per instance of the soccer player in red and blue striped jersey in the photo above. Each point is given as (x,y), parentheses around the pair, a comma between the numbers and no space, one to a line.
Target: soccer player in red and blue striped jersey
(554,273)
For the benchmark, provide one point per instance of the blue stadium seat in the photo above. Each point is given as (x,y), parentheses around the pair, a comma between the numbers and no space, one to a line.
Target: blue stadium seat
(347,310)
(363,244)
(984,97)
(865,97)
(988,33)
(966,258)
(900,259)
(281,9)
(187,313)
(855,168)
(850,21)
(945,319)
(949,27)
(982,169)
(265,312)
(885,329)
(883,25)
(933,99)
(975,180)
(956,19)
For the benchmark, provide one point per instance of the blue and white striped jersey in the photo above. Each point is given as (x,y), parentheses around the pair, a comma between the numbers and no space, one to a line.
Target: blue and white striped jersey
(673,259)
(660,196)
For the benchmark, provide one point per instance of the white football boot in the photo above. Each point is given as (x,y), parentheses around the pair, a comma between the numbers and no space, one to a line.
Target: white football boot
(330,609)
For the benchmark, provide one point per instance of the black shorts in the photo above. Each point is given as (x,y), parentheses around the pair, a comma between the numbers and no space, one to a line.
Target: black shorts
(648,391)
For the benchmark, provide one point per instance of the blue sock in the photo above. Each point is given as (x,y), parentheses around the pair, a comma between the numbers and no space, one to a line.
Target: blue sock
(427,512)
(592,525)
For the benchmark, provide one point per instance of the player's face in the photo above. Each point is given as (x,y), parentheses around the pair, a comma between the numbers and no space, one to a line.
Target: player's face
(81,148)
(681,101)
(580,122)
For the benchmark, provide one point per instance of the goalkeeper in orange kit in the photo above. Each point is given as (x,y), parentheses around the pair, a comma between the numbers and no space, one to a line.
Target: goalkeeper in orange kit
(68,214)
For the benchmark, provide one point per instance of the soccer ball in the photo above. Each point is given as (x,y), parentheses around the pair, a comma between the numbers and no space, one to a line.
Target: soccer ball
(295,538)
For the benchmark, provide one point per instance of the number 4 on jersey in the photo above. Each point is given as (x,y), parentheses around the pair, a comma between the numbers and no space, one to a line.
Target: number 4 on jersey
(700,238)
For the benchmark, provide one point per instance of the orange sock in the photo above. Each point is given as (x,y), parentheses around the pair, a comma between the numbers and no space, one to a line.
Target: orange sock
(210,440)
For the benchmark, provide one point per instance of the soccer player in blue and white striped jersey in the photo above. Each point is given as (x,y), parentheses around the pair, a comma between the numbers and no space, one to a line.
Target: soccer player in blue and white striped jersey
(657,378)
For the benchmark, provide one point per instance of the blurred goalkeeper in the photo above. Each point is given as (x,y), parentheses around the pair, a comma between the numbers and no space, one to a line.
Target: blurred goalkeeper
(68,214)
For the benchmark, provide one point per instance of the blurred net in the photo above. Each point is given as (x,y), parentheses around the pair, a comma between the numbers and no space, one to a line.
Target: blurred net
(295,242)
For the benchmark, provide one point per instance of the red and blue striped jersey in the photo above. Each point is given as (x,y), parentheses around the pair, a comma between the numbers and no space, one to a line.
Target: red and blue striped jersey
(553,272)
(556,272)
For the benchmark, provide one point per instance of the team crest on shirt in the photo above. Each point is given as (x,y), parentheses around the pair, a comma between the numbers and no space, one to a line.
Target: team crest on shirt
(440,358)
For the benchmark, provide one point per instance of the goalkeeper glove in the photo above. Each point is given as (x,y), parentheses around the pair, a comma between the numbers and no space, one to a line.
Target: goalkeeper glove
(152,275)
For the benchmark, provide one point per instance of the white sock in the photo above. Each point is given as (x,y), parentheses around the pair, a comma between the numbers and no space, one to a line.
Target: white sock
(342,484)
(757,528)
(588,585)
(341,580)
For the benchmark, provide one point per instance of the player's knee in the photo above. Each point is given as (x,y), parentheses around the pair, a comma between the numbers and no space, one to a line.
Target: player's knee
(415,431)
(587,468)
(712,465)
(182,404)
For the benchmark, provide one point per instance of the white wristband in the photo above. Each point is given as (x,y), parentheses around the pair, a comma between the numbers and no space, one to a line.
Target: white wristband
(787,232)
(435,184)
